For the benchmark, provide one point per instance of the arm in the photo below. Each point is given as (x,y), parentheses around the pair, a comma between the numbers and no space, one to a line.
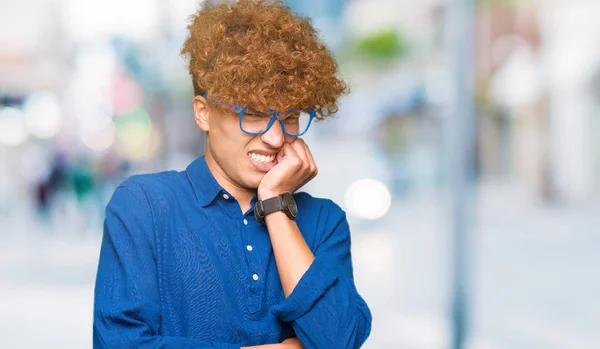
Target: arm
(126,298)
(292,254)
(321,301)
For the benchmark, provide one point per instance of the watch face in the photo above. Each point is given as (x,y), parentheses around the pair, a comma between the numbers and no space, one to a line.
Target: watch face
(291,204)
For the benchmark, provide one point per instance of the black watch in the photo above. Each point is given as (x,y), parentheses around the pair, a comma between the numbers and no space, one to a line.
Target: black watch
(284,202)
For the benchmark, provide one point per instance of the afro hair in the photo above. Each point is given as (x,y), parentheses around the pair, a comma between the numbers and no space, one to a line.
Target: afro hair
(257,53)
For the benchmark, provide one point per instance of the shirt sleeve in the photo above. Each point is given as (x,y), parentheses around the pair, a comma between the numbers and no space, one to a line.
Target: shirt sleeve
(126,298)
(325,308)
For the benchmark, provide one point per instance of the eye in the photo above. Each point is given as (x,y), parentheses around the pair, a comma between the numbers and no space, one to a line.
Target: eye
(291,120)
(292,117)
(253,114)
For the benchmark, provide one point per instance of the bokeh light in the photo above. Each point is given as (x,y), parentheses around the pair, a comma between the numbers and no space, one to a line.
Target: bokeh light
(137,139)
(368,199)
(13,130)
(43,115)
(87,19)
(98,138)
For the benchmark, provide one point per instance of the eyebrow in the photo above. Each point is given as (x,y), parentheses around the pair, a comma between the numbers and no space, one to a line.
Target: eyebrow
(250,110)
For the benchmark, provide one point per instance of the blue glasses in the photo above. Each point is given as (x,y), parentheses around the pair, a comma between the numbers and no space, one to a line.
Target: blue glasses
(294,123)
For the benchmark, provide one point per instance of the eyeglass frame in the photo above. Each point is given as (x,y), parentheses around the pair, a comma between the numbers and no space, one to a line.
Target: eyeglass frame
(274,115)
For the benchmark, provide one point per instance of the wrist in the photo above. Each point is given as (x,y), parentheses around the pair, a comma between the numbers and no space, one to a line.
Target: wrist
(267,205)
(267,194)
(277,215)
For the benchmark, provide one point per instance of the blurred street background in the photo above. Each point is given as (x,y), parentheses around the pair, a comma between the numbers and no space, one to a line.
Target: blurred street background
(92,92)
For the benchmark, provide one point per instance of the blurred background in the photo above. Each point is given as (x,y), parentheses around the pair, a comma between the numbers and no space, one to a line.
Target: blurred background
(94,91)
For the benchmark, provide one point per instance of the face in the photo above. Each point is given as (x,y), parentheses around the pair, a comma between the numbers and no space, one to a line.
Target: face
(241,159)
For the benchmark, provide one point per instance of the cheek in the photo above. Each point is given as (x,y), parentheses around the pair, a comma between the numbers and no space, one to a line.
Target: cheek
(234,144)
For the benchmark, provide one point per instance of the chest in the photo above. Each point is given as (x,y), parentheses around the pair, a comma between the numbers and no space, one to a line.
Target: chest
(217,265)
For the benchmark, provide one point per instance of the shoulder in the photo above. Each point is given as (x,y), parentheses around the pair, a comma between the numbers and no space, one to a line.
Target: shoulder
(309,203)
(151,187)
(319,218)
(154,181)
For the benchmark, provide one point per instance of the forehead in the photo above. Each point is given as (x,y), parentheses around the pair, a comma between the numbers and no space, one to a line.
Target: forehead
(261,110)
(262,105)
(239,106)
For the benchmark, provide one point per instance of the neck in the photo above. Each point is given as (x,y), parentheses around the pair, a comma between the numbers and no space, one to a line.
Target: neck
(242,195)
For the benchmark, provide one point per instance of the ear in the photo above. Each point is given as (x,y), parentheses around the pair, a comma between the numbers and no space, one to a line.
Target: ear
(201,113)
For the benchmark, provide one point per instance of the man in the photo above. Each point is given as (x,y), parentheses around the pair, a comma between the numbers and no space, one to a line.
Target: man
(222,255)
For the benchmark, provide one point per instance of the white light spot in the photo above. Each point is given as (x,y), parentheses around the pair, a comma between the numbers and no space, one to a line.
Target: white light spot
(43,115)
(87,19)
(368,199)
(13,130)
(100,138)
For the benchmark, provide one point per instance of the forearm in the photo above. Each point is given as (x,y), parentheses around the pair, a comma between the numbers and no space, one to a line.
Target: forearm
(325,293)
(338,305)
(292,254)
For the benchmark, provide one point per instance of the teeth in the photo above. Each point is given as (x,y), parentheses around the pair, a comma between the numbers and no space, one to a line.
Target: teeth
(262,158)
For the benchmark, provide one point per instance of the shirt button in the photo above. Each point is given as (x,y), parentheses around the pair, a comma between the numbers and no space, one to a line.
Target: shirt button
(225,196)
(255,277)
(249,248)
(245,221)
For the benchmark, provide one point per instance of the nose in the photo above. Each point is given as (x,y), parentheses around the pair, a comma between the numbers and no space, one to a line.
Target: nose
(274,137)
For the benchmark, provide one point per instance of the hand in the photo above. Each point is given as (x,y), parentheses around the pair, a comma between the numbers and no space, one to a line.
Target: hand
(295,167)
(292,343)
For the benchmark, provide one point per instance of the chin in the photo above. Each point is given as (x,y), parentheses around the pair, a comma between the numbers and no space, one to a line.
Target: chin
(254,181)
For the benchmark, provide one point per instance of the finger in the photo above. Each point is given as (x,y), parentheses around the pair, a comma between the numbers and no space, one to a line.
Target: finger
(300,147)
(311,166)
(311,159)
(289,153)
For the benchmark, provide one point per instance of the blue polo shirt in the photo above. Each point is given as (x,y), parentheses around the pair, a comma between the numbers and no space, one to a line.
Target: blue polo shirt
(181,266)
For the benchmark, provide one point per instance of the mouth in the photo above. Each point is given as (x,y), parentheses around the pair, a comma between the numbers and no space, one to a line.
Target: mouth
(261,162)
(262,158)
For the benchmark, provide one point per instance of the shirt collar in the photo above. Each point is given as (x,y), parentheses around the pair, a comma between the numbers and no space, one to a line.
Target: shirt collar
(203,182)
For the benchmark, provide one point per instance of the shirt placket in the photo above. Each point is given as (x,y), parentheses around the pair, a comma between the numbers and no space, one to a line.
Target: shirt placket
(256,277)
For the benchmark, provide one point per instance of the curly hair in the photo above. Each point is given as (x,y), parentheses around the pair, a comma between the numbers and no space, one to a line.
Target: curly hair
(258,54)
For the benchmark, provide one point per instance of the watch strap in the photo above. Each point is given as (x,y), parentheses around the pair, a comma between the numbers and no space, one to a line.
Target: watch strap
(274,204)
